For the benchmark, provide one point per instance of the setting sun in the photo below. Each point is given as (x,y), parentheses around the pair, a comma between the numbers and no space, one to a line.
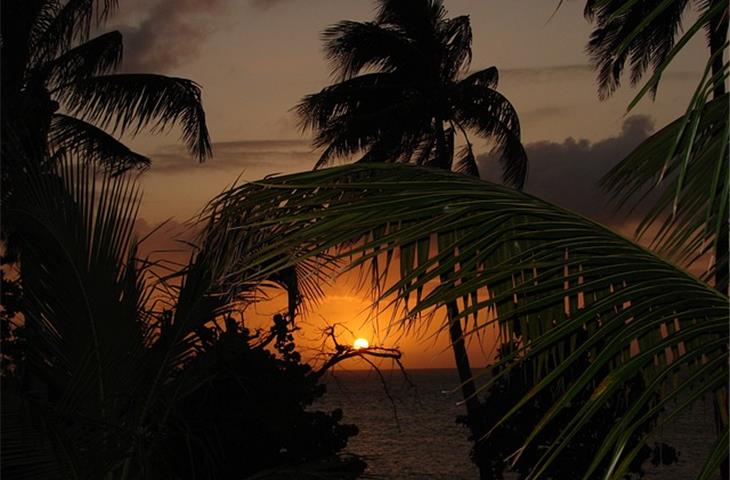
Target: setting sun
(360,343)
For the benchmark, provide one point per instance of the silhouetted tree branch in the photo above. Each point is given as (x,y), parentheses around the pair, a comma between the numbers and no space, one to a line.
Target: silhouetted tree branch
(344,352)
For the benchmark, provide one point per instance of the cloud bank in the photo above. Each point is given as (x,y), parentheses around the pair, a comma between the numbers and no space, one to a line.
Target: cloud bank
(567,173)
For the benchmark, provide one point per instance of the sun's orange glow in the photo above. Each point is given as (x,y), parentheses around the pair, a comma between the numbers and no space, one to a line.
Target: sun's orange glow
(360,343)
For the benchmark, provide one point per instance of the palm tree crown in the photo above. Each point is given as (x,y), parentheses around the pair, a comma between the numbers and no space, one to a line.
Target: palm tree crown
(402,94)
(50,62)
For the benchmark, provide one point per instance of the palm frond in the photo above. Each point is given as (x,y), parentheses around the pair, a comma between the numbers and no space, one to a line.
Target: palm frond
(640,32)
(32,443)
(353,47)
(366,93)
(102,349)
(75,234)
(70,136)
(131,102)
(66,23)
(456,37)
(550,276)
(368,113)
(718,10)
(486,78)
(415,19)
(98,56)
(398,88)
(466,162)
(42,14)
(491,115)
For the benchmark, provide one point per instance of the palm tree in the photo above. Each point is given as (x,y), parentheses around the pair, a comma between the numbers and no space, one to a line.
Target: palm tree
(564,287)
(403,93)
(50,63)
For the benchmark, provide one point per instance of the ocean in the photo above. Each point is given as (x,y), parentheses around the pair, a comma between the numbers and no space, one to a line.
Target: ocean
(408,432)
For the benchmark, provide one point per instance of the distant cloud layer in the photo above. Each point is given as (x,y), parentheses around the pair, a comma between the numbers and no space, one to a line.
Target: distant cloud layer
(568,173)
(260,156)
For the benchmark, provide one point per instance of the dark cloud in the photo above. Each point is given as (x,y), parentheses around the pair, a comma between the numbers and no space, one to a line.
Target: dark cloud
(162,34)
(568,173)
(280,156)
(265,4)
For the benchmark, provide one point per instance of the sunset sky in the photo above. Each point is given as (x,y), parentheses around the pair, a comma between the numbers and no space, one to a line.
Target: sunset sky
(255,59)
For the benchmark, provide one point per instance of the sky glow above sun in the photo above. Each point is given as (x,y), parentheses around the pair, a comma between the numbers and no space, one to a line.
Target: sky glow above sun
(360,343)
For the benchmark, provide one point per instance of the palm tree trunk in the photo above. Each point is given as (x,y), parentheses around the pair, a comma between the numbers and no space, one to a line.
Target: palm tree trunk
(445,151)
(717,35)
(468,388)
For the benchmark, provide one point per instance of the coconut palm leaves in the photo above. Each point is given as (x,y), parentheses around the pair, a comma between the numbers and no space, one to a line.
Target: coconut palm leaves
(131,102)
(402,95)
(48,57)
(74,136)
(549,277)
(644,33)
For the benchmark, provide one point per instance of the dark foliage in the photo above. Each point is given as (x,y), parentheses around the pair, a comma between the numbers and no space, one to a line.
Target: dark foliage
(615,24)
(644,35)
(251,405)
(12,335)
(493,453)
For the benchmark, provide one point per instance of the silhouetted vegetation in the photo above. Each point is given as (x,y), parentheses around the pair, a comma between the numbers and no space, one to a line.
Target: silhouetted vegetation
(493,453)
(50,61)
(244,408)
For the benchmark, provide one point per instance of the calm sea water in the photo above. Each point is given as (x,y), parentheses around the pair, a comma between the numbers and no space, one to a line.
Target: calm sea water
(413,434)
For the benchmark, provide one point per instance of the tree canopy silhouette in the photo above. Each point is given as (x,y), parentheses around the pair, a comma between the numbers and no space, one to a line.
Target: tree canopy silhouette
(403,93)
